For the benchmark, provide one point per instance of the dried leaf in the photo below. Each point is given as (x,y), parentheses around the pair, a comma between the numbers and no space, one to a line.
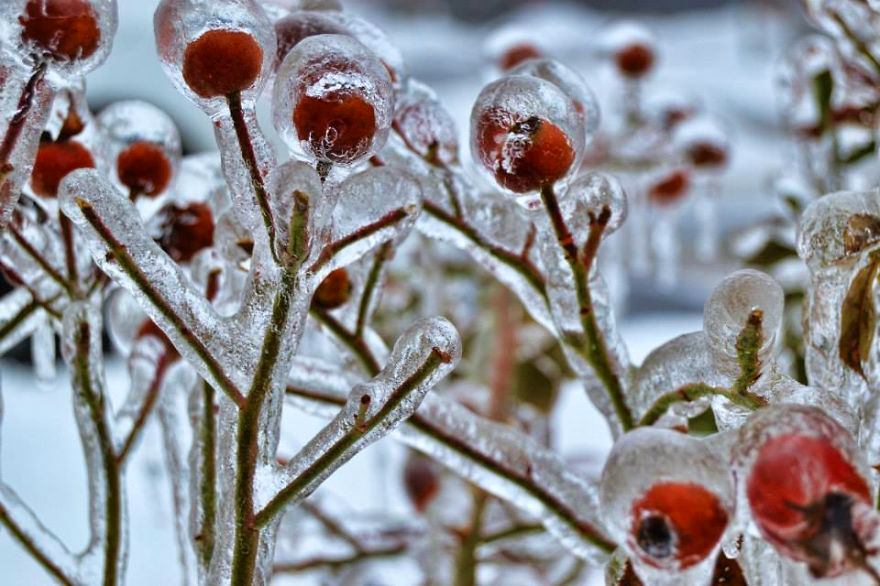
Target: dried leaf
(862,230)
(858,318)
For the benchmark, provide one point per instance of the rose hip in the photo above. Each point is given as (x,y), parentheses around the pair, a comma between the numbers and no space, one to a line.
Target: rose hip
(144,168)
(334,291)
(677,521)
(61,29)
(54,161)
(670,188)
(523,154)
(517,54)
(634,60)
(801,491)
(222,62)
(339,125)
(185,231)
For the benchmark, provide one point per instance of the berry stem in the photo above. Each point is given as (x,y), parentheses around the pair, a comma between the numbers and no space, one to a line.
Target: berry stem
(41,260)
(381,257)
(146,408)
(593,346)
(17,122)
(335,563)
(69,251)
(208,478)
(249,157)
(355,343)
(303,483)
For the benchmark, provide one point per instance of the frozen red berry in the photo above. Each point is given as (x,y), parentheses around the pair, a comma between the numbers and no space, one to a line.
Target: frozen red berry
(61,29)
(144,168)
(706,155)
(334,291)
(677,521)
(669,188)
(222,62)
(54,161)
(185,231)
(634,60)
(801,491)
(339,125)
(421,480)
(517,54)
(296,26)
(524,154)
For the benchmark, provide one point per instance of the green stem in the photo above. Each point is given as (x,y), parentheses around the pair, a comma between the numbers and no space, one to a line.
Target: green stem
(693,392)
(466,558)
(249,157)
(593,347)
(328,459)
(208,478)
(355,344)
(464,449)
(47,267)
(247,530)
(511,533)
(94,401)
(30,546)
(17,319)
(328,563)
(119,253)
(382,256)
(146,408)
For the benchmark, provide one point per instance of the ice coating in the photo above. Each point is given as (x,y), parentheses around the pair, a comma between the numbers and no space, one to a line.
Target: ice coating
(730,306)
(145,148)
(424,354)
(425,126)
(333,101)
(838,227)
(19,317)
(525,133)
(72,37)
(631,46)
(704,142)
(572,83)
(852,23)
(512,45)
(496,457)
(296,184)
(239,36)
(646,461)
(807,59)
(595,192)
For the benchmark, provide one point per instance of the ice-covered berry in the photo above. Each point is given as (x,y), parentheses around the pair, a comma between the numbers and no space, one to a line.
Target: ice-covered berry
(61,29)
(54,161)
(221,62)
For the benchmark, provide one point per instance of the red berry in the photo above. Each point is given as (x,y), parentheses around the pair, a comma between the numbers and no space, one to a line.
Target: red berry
(706,155)
(524,154)
(334,291)
(670,188)
(222,62)
(296,26)
(634,60)
(421,482)
(677,523)
(54,161)
(801,490)
(517,54)
(184,231)
(144,168)
(62,29)
(338,125)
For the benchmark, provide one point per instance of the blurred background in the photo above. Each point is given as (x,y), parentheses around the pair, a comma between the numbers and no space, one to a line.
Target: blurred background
(723,54)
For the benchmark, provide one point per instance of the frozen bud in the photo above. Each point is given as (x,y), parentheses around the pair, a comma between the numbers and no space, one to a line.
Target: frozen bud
(839,228)
(145,145)
(703,143)
(526,133)
(631,47)
(334,291)
(602,197)
(183,231)
(421,481)
(669,187)
(333,100)
(56,160)
(806,486)
(747,298)
(215,50)
(666,499)
(73,36)
(572,83)
(296,196)
(425,126)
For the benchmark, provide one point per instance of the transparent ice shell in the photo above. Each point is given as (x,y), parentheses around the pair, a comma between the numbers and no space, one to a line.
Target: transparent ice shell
(644,458)
(129,122)
(514,100)
(323,66)
(424,125)
(77,47)
(178,23)
(572,83)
